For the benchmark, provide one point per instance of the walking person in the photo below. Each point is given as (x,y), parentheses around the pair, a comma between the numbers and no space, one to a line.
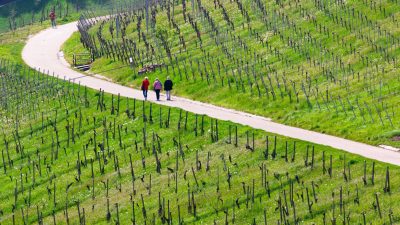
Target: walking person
(157,88)
(53,18)
(168,87)
(145,87)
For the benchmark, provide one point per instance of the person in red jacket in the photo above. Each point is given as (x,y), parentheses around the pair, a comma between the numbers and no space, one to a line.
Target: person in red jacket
(145,87)
(53,18)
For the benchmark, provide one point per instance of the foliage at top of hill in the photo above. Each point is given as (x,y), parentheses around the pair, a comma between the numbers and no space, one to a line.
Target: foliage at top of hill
(29,6)
(17,14)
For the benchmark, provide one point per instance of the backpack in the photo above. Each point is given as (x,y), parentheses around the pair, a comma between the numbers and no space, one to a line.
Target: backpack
(157,85)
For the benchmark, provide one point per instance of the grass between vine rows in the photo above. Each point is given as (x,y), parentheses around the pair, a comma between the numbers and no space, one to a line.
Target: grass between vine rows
(362,103)
(51,135)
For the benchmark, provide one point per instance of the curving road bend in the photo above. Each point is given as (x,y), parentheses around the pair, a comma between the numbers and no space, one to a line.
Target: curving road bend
(42,52)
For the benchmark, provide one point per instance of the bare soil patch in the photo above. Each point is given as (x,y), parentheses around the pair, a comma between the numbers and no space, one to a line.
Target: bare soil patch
(396,138)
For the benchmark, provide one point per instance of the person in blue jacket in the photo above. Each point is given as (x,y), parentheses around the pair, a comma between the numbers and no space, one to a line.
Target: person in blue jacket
(168,87)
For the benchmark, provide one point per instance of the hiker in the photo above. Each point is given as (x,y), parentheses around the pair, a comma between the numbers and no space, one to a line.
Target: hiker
(145,87)
(53,18)
(157,88)
(168,87)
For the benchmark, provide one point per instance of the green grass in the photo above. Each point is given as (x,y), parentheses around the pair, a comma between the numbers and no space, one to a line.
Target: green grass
(12,43)
(73,47)
(60,125)
(374,86)
(27,96)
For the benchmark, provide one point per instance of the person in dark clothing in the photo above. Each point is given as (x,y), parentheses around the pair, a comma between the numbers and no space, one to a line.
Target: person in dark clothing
(53,19)
(168,87)
(145,87)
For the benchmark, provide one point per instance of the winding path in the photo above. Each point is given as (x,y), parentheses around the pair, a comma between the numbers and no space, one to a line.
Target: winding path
(42,52)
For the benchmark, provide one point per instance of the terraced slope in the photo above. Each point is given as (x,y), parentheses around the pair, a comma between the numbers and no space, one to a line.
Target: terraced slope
(328,66)
(72,155)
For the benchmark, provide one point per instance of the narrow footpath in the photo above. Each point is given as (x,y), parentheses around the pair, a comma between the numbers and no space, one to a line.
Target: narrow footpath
(42,52)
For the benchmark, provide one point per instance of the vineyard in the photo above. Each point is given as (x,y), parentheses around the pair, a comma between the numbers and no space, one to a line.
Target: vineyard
(329,66)
(72,155)
(75,155)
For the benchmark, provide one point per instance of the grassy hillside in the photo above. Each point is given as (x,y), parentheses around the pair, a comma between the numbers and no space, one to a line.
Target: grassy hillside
(327,66)
(21,13)
(12,43)
(78,156)
(18,14)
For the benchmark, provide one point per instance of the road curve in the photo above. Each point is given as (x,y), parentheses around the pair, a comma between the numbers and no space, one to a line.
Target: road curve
(42,53)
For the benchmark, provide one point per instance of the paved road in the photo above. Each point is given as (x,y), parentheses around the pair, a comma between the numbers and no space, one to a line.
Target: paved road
(42,52)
